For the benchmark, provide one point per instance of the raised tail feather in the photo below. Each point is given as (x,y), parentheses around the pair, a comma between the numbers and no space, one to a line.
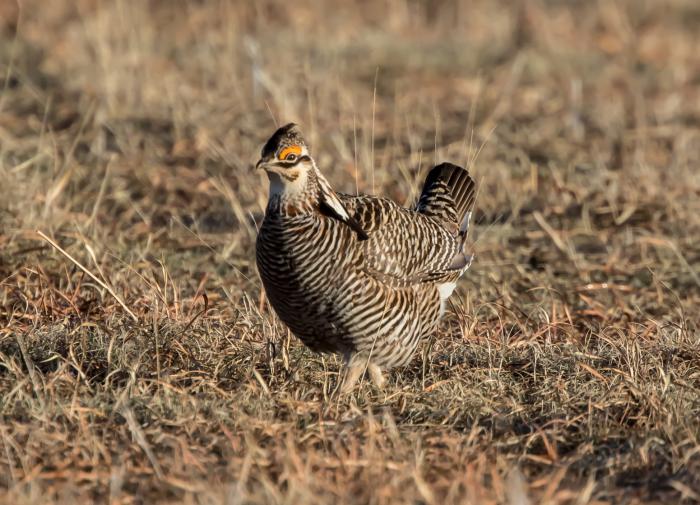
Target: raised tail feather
(448,195)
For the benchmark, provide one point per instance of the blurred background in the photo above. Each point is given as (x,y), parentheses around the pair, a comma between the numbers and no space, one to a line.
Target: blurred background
(128,132)
(601,96)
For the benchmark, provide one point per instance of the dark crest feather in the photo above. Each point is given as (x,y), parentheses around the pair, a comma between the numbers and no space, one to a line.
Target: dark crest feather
(286,135)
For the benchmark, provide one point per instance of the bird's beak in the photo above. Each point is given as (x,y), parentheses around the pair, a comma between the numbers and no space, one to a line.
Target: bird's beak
(260,164)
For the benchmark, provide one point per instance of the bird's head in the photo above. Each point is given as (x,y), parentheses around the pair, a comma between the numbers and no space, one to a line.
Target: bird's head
(285,157)
(295,182)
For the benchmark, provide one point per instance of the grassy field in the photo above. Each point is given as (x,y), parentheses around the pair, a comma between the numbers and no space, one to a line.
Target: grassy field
(566,370)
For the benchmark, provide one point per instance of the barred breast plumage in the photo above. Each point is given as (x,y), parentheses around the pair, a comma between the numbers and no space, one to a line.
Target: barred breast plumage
(359,275)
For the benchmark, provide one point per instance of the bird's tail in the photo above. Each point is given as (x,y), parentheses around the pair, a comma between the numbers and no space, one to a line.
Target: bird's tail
(448,195)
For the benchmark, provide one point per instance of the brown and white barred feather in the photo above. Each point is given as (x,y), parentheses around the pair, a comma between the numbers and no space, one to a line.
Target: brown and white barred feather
(360,275)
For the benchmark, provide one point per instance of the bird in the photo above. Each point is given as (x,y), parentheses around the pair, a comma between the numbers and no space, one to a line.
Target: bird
(359,275)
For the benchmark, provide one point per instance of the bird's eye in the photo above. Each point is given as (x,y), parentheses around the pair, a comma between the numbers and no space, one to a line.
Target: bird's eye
(290,157)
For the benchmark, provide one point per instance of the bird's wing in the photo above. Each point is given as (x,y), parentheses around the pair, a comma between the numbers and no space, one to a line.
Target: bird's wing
(404,247)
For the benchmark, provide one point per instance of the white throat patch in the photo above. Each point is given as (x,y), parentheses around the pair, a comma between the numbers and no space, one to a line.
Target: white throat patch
(289,185)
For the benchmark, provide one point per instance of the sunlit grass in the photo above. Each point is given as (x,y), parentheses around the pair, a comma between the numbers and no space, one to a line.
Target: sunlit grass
(567,369)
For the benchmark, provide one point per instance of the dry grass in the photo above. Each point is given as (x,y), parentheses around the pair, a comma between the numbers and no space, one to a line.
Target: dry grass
(568,368)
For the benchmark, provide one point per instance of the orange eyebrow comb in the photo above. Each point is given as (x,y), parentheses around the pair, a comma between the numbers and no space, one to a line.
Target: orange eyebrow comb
(289,150)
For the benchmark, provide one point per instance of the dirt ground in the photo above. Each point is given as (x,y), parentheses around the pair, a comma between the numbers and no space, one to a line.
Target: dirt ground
(567,368)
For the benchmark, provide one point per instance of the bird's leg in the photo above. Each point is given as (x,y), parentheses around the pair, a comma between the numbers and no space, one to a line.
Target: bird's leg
(353,370)
(375,372)
(355,366)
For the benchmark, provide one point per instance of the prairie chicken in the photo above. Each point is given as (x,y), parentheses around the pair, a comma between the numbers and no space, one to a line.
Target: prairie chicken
(359,275)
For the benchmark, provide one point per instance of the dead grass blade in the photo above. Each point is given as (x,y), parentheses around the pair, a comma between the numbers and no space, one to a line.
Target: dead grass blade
(92,276)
